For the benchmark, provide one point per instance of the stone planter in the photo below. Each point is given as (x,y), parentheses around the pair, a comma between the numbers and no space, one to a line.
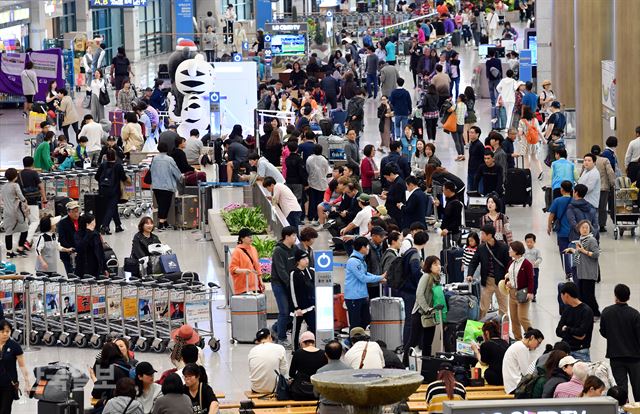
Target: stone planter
(272,306)
(220,234)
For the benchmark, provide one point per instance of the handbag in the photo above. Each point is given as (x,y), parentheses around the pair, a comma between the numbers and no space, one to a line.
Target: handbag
(301,388)
(282,387)
(170,263)
(521,295)
(147,176)
(451,123)
(104,97)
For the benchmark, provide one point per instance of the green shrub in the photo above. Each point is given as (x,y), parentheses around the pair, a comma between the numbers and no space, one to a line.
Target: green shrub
(249,217)
(264,246)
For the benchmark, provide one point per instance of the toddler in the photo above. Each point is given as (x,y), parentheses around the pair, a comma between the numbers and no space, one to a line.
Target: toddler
(533,256)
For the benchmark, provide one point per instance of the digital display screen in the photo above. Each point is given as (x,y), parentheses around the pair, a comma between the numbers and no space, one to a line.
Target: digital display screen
(324,308)
(483,50)
(533,46)
(117,3)
(288,44)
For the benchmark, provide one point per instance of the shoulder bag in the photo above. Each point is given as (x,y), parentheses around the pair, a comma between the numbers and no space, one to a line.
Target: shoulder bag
(104,96)
(364,355)
(282,387)
(147,176)
(451,123)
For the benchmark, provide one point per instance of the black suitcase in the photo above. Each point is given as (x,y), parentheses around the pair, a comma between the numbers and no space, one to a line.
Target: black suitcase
(68,407)
(455,38)
(473,215)
(60,205)
(451,260)
(94,204)
(518,189)
(484,39)
(548,198)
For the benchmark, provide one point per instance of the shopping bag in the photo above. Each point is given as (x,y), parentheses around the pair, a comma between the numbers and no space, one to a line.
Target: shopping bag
(170,263)
(451,124)
(150,145)
(35,118)
(472,330)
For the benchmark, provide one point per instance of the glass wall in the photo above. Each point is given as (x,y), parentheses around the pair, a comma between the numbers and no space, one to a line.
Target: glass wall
(244,8)
(67,22)
(155,27)
(109,24)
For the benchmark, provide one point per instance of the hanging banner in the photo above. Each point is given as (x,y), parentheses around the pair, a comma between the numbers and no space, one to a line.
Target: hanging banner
(184,18)
(264,13)
(12,64)
(46,63)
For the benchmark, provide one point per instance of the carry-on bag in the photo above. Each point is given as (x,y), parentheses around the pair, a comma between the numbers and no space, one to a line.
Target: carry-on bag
(518,189)
(451,260)
(387,320)
(248,314)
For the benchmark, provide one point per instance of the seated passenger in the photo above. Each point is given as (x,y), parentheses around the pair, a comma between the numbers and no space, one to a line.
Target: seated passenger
(560,374)
(143,238)
(305,362)
(355,357)
(106,373)
(183,336)
(491,352)
(573,388)
(173,400)
(148,391)
(446,384)
(123,401)
(265,358)
(593,387)
(203,399)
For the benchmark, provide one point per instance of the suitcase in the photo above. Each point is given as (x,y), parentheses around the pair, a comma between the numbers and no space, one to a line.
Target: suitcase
(456,38)
(387,320)
(476,208)
(548,198)
(451,260)
(67,407)
(60,205)
(518,189)
(186,211)
(94,204)
(340,318)
(248,315)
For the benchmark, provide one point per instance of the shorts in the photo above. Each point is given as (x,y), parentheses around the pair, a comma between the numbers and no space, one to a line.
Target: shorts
(29,98)
(529,149)
(326,206)
(118,81)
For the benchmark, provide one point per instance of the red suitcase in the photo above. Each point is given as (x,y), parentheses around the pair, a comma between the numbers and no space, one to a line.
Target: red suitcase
(340,319)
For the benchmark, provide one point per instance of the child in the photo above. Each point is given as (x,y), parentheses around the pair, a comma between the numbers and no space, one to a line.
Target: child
(533,255)
(47,246)
(473,241)
(80,154)
(62,150)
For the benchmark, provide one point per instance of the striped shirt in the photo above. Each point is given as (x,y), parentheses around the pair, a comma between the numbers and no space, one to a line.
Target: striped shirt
(438,388)
(571,389)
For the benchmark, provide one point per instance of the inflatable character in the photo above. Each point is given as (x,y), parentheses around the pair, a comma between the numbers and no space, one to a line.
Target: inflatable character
(185,49)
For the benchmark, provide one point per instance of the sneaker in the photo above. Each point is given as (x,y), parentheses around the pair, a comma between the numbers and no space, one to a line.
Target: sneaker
(21,253)
(105,230)
(11,255)
(119,229)
(315,223)
(328,224)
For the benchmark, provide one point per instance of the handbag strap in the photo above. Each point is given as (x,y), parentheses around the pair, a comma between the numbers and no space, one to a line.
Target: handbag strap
(249,256)
(364,355)
(200,395)
(494,256)
(127,407)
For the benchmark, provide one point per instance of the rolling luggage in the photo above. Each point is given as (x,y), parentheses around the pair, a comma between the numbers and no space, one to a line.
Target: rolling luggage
(248,315)
(186,214)
(548,198)
(340,318)
(518,189)
(456,37)
(451,260)
(387,320)
(476,208)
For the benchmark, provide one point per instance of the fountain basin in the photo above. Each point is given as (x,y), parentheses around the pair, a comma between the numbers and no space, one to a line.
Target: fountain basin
(367,387)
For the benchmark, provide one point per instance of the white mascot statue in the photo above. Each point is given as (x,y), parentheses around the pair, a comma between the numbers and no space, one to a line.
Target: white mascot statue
(194,79)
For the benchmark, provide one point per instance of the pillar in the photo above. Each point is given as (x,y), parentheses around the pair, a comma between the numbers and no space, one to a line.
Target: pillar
(627,85)
(562,51)
(132,33)
(544,22)
(37,24)
(593,43)
(84,19)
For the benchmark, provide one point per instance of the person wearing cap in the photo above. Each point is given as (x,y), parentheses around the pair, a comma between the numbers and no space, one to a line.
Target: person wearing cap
(561,373)
(362,218)
(148,390)
(576,323)
(245,267)
(305,362)
(573,387)
(111,144)
(302,285)
(355,285)
(546,97)
(357,358)
(417,204)
(446,384)
(67,228)
(518,357)
(263,359)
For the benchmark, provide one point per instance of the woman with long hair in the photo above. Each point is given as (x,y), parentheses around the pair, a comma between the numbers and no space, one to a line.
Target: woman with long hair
(555,373)
(446,384)
(203,399)
(90,258)
(497,219)
(124,399)
(148,390)
(298,76)
(470,118)
(529,150)
(112,368)
(143,238)
(52,95)
(273,148)
(12,358)
(431,112)
(420,158)
(16,220)
(385,113)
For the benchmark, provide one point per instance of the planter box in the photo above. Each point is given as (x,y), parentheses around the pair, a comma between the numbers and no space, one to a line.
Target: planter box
(220,234)
(272,306)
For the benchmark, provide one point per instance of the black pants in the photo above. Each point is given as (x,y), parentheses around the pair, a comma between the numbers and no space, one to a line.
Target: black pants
(359,314)
(588,294)
(211,55)
(65,258)
(76,129)
(621,368)
(8,240)
(315,198)
(419,336)
(431,125)
(310,319)
(6,400)
(163,197)
(111,211)
(603,202)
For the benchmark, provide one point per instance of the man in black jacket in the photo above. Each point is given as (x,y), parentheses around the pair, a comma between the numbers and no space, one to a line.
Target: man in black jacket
(395,157)
(396,194)
(493,258)
(491,175)
(620,326)
(452,216)
(576,323)
(476,157)
(67,228)
(494,75)
(283,262)
(416,206)
(297,175)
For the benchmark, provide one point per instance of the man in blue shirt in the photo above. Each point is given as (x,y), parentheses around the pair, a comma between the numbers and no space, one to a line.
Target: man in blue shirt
(561,170)
(367,41)
(401,103)
(530,99)
(356,278)
(559,222)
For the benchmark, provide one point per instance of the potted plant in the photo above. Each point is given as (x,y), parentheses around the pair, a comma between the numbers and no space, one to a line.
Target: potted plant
(237,217)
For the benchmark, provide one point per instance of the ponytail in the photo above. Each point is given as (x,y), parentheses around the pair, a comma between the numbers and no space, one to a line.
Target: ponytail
(449,381)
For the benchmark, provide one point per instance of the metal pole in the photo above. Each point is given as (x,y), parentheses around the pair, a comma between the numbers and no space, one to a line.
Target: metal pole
(27,317)
(227,281)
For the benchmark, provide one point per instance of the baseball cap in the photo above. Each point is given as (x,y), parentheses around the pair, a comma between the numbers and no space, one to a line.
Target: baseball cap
(357,331)
(262,334)
(111,138)
(300,254)
(307,336)
(378,231)
(568,360)
(72,205)
(364,198)
(382,210)
(555,104)
(145,368)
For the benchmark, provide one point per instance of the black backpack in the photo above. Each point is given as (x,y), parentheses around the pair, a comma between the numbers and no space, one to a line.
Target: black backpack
(398,269)
(107,183)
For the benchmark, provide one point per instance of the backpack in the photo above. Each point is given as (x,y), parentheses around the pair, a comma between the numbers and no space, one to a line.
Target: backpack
(532,133)
(131,370)
(107,180)
(527,384)
(397,273)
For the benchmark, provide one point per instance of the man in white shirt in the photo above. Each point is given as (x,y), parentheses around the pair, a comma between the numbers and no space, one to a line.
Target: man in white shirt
(283,197)
(507,89)
(94,133)
(407,243)
(362,219)
(590,177)
(633,150)
(356,358)
(518,357)
(265,358)
(193,147)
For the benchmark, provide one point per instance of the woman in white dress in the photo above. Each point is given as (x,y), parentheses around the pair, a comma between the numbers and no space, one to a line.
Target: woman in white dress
(97,84)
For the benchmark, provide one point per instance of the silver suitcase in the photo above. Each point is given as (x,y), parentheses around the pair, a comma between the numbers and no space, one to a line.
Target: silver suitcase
(387,320)
(248,315)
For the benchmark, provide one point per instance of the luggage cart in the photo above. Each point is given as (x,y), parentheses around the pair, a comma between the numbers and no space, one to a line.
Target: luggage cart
(625,211)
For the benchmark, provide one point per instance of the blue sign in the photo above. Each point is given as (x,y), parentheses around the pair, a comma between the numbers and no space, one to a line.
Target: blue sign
(237,57)
(264,13)
(245,45)
(329,16)
(526,67)
(184,18)
(117,3)
(215,97)
(323,261)
(267,38)
(69,72)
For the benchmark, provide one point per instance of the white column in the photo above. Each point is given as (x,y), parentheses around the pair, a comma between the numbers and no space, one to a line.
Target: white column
(132,34)
(37,24)
(84,19)
(544,24)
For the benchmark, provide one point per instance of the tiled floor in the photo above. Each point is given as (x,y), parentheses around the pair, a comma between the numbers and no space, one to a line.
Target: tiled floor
(228,367)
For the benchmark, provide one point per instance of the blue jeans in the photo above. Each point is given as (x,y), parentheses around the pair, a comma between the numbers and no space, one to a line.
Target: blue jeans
(282,300)
(492,91)
(470,179)
(536,274)
(294,219)
(399,122)
(359,314)
(455,82)
(372,78)
(582,355)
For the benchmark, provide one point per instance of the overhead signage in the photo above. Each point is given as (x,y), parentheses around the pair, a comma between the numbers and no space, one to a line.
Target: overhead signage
(285,27)
(117,3)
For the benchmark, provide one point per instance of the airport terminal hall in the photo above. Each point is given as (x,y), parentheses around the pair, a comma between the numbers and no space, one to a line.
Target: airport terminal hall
(319,206)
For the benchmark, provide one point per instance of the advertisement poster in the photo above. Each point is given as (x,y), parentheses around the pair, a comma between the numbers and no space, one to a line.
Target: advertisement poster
(288,44)
(143,306)
(161,304)
(84,304)
(18,301)
(609,84)
(51,302)
(47,65)
(184,18)
(68,304)
(98,305)
(12,63)
(177,310)
(197,311)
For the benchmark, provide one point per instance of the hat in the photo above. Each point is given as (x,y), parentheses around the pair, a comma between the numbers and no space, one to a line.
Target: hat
(244,232)
(445,366)
(519,84)
(568,360)
(382,210)
(262,334)
(307,336)
(555,104)
(364,197)
(502,287)
(357,331)
(186,333)
(72,205)
(144,368)
(546,82)
(300,254)
(111,138)
(378,231)
(55,220)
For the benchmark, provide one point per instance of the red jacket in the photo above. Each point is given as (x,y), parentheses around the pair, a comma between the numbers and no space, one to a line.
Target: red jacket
(366,172)
(525,275)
